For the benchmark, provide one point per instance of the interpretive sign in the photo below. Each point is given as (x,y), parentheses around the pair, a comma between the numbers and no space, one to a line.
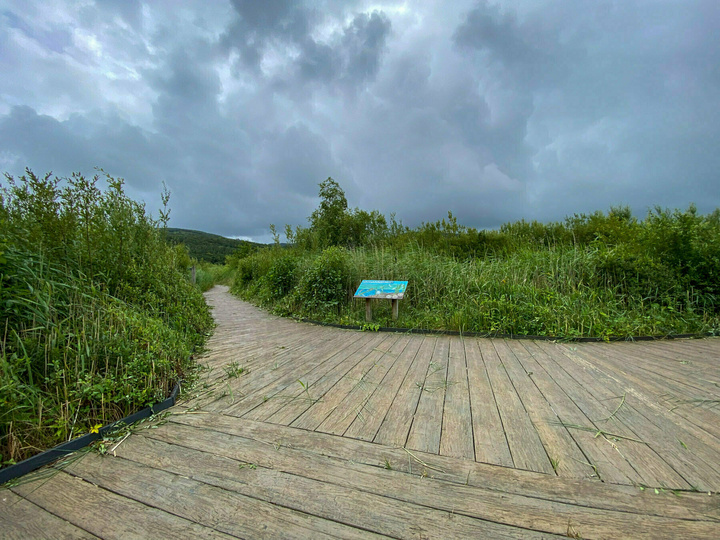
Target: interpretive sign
(378,288)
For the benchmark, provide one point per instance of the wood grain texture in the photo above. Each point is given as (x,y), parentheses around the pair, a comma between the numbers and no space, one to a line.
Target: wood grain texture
(20,519)
(399,418)
(107,514)
(426,427)
(491,445)
(456,439)
(379,403)
(417,487)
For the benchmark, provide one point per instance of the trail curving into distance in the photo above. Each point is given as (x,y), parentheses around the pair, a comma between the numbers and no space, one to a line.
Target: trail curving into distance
(307,431)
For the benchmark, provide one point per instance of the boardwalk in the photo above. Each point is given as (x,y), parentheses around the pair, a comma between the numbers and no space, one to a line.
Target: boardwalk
(310,432)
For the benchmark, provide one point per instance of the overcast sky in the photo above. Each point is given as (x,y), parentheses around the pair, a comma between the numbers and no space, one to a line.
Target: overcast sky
(494,110)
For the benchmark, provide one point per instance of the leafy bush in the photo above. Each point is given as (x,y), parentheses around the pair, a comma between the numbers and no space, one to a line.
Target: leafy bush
(246,271)
(635,275)
(280,278)
(100,318)
(208,275)
(326,283)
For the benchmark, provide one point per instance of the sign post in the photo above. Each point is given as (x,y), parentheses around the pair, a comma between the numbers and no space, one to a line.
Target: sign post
(376,288)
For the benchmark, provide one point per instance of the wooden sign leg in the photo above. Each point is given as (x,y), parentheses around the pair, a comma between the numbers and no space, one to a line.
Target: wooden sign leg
(368,310)
(395,309)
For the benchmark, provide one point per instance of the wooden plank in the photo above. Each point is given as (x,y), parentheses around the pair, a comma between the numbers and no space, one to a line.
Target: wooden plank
(626,451)
(294,390)
(663,373)
(676,392)
(703,351)
(292,409)
(456,439)
(396,424)
(263,385)
(552,381)
(356,501)
(566,456)
(629,499)
(210,506)
(639,404)
(662,435)
(107,514)
(648,389)
(318,472)
(354,405)
(22,519)
(232,498)
(660,376)
(366,427)
(248,390)
(332,398)
(524,442)
(261,356)
(426,427)
(490,443)
(219,379)
(684,352)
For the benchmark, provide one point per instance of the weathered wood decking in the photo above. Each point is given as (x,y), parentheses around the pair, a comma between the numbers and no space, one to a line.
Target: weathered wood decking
(333,433)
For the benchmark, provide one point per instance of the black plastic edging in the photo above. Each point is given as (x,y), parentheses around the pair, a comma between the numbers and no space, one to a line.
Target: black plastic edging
(62,450)
(511,336)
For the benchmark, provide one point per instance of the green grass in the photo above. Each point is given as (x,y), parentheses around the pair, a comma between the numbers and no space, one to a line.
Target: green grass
(208,275)
(563,291)
(233,370)
(591,275)
(99,317)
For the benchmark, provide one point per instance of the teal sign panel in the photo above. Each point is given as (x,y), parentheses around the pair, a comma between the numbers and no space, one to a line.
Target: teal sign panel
(376,288)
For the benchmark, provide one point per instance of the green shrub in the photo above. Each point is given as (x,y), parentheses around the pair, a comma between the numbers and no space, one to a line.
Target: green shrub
(208,275)
(634,274)
(246,271)
(99,316)
(280,279)
(327,282)
(690,244)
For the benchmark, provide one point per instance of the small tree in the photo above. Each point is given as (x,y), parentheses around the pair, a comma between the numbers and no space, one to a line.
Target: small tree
(329,219)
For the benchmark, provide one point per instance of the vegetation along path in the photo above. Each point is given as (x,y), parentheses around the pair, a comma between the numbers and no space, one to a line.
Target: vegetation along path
(308,431)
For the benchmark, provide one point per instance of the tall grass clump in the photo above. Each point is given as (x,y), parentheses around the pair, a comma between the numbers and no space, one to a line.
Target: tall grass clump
(597,275)
(208,275)
(98,316)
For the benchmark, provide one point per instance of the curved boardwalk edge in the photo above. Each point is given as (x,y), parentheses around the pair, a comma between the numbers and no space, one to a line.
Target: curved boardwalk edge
(310,432)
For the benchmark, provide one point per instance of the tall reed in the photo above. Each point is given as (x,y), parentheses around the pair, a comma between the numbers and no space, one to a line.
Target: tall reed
(98,317)
(562,291)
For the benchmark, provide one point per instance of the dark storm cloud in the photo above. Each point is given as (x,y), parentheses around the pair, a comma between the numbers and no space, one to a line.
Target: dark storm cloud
(487,29)
(494,110)
(55,39)
(258,23)
(602,103)
(80,144)
(352,56)
(41,139)
(363,42)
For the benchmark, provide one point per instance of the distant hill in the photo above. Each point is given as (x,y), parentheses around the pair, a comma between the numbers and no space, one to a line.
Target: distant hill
(208,247)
